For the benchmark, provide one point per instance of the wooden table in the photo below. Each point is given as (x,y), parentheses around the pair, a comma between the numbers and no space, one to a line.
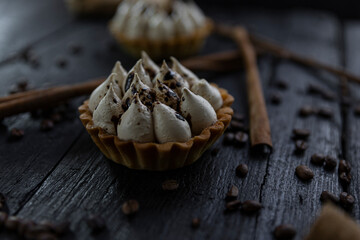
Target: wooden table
(61,175)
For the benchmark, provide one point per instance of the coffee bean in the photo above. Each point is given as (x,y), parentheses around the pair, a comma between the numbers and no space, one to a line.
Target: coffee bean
(330,163)
(317,159)
(328,196)
(345,178)
(22,86)
(357,110)
(306,111)
(75,49)
(242,170)
(300,146)
(228,138)
(61,62)
(315,89)
(304,173)
(238,117)
(344,166)
(346,200)
(11,223)
(233,205)
(170,185)
(16,134)
(284,232)
(130,207)
(301,133)
(237,126)
(232,193)
(325,112)
(241,139)
(195,223)
(276,99)
(280,84)
(215,151)
(96,223)
(251,206)
(3,217)
(46,125)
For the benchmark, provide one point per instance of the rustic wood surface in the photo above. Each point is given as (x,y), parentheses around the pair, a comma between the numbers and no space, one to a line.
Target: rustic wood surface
(61,175)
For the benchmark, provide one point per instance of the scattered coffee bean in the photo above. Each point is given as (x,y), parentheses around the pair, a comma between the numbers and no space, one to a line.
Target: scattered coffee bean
(233,193)
(306,111)
(317,159)
(215,151)
(195,223)
(237,126)
(96,223)
(330,163)
(280,84)
(130,207)
(75,49)
(328,196)
(315,89)
(276,99)
(242,170)
(346,200)
(3,217)
(241,139)
(22,86)
(11,223)
(325,112)
(304,173)
(284,232)
(345,178)
(228,138)
(46,125)
(233,205)
(170,185)
(16,134)
(357,110)
(251,206)
(301,133)
(344,166)
(300,146)
(238,117)
(61,62)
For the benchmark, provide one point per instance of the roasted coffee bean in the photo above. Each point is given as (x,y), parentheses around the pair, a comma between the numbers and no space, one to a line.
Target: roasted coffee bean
(276,99)
(284,232)
(170,185)
(317,159)
(75,49)
(300,146)
(344,166)
(345,178)
(16,134)
(330,163)
(301,133)
(242,170)
(3,217)
(46,125)
(328,196)
(22,86)
(306,111)
(233,205)
(357,110)
(233,193)
(238,117)
(325,112)
(241,139)
(346,200)
(304,173)
(237,126)
(228,138)
(96,223)
(251,206)
(195,223)
(280,84)
(11,223)
(130,207)
(215,151)
(315,89)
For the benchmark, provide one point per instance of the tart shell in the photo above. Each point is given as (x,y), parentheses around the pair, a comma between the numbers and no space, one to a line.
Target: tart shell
(179,47)
(156,156)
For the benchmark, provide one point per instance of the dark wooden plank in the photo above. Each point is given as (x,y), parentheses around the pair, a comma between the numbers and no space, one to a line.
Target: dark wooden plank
(352,130)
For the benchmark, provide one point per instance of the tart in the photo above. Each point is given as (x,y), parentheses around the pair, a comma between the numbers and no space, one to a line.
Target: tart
(162,28)
(93,7)
(155,123)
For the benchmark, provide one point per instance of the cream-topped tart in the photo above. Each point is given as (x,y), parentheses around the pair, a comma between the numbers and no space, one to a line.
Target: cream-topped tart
(156,106)
(160,27)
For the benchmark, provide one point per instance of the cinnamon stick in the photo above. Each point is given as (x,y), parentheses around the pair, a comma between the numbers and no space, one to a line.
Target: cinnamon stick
(260,133)
(36,99)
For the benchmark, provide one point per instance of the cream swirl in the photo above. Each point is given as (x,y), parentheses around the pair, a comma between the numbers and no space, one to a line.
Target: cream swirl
(169,125)
(199,112)
(167,96)
(108,112)
(171,79)
(101,90)
(120,75)
(140,71)
(209,92)
(136,123)
(188,75)
(150,67)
